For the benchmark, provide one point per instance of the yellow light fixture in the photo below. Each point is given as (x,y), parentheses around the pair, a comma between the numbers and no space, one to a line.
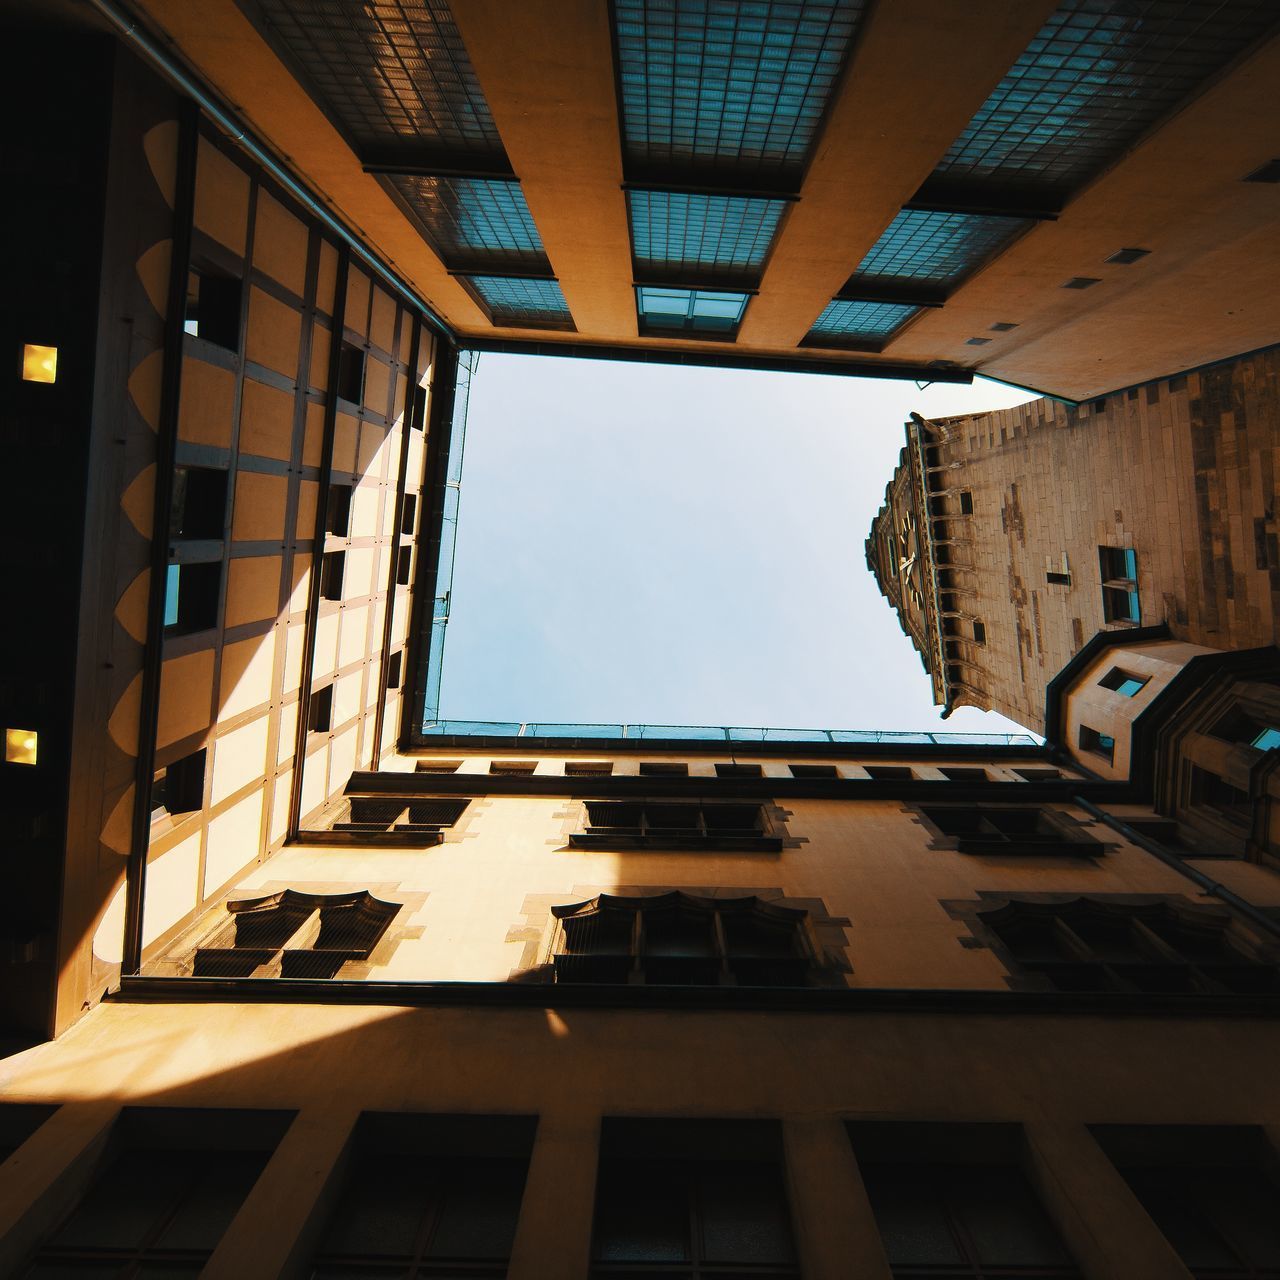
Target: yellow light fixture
(39,364)
(20,746)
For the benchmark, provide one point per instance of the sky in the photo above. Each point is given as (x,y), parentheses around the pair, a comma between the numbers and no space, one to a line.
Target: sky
(656,544)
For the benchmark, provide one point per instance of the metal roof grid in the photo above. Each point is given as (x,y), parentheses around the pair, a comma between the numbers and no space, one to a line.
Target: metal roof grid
(844,320)
(682,233)
(524,303)
(929,247)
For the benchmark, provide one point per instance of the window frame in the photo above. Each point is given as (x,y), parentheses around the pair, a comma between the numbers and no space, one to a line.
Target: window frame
(701,836)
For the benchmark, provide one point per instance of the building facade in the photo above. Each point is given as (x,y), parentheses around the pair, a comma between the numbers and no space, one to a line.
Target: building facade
(290,986)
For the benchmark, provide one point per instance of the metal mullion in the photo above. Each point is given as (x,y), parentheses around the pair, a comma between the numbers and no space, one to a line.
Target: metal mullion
(427,1225)
(637,945)
(958,1232)
(722,947)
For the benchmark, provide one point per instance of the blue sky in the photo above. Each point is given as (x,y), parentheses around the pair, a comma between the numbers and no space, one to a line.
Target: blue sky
(669,545)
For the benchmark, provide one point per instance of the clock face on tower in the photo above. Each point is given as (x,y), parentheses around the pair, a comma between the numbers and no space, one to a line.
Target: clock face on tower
(910,569)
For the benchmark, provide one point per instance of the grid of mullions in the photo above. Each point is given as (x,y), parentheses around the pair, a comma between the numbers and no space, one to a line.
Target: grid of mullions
(706,311)
(937,249)
(388,70)
(475,222)
(843,321)
(515,301)
(1096,76)
(728,84)
(681,234)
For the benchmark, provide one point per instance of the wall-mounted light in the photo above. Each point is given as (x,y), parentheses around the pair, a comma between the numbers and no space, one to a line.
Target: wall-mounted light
(39,364)
(20,746)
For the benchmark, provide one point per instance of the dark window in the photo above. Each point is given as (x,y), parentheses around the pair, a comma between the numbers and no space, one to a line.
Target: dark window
(1119,569)
(691,1198)
(979,632)
(957,774)
(1119,564)
(1089,945)
(1239,726)
(952,1200)
(409,515)
(1126,257)
(1269,172)
(351,374)
(739,771)
(662,769)
(1119,605)
(1123,682)
(393,669)
(1081,282)
(1098,744)
(1210,1189)
(1006,829)
(418,415)
(320,710)
(191,597)
(966,502)
(813,771)
(889,772)
(677,939)
(588,768)
(1038,775)
(327,931)
(1058,579)
(404,565)
(673,824)
(135,1221)
(213,307)
(179,787)
(332,567)
(514,768)
(1214,792)
(427,1196)
(378,813)
(199,510)
(338,512)
(438,766)
(706,312)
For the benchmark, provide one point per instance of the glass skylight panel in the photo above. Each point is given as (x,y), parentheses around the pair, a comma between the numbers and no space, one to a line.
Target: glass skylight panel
(843,322)
(682,234)
(1097,75)
(475,222)
(700,311)
(738,85)
(522,303)
(389,71)
(935,249)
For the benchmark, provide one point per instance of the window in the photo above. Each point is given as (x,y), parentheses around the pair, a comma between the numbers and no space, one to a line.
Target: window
(513,768)
(1119,569)
(332,567)
(378,813)
(338,511)
(1125,683)
(320,710)
(167,1192)
(409,515)
(662,769)
(438,766)
(739,771)
(418,412)
(1267,740)
(674,824)
(1208,1188)
(1057,570)
(1039,775)
(179,787)
(889,772)
(955,773)
(814,771)
(1058,579)
(21,746)
(707,313)
(521,301)
(393,669)
(1214,792)
(191,597)
(351,374)
(677,939)
(979,632)
(199,510)
(39,363)
(428,1195)
(327,931)
(588,768)
(213,307)
(404,565)
(1098,744)
(1240,727)
(1009,829)
(691,1198)
(966,502)
(1089,945)
(952,1200)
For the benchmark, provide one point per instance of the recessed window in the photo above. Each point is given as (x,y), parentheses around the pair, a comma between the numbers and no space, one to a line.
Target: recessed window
(1058,579)
(976,342)
(1081,282)
(418,414)
(437,766)
(1214,792)
(1009,829)
(956,773)
(663,769)
(1267,740)
(966,502)
(404,565)
(513,768)
(979,632)
(21,746)
(191,597)
(739,771)
(376,813)
(213,307)
(409,515)
(1003,326)
(1240,727)
(1098,744)
(351,374)
(588,768)
(1119,570)
(1057,570)
(39,364)
(332,567)
(1039,775)
(1123,257)
(179,787)
(199,510)
(320,710)
(814,771)
(673,824)
(702,312)
(1118,564)
(1269,172)
(393,669)
(338,510)
(889,772)
(1125,683)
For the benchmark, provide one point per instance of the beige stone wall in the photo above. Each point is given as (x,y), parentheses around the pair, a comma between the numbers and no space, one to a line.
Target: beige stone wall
(1185,471)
